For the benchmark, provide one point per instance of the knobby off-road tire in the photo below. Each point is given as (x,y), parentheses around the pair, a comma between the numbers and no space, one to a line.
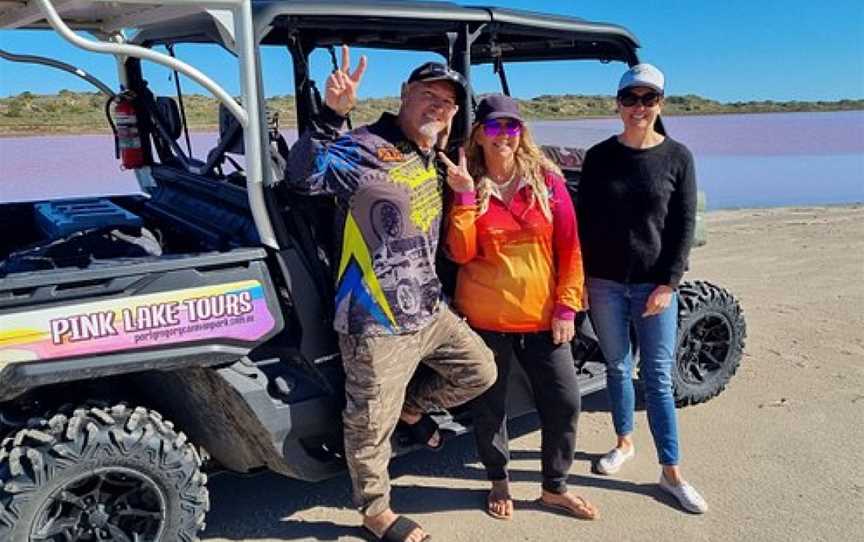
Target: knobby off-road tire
(711,333)
(117,473)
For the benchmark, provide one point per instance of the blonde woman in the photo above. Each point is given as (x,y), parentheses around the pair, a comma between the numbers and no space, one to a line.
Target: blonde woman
(520,284)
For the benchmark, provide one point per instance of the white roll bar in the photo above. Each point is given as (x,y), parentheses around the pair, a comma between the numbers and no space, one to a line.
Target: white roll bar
(247,114)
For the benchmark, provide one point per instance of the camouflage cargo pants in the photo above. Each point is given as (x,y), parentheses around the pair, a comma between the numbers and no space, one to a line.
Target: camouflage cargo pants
(377,372)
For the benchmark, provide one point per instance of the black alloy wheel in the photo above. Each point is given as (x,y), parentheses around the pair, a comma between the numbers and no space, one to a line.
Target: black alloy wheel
(711,333)
(112,503)
(98,474)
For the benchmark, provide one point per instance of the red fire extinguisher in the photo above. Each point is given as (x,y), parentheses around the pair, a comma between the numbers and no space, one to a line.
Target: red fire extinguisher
(129,148)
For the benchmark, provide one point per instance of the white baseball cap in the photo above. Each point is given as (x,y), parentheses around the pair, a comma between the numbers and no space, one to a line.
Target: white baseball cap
(642,75)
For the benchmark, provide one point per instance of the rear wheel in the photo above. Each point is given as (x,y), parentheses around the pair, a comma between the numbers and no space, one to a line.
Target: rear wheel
(116,474)
(711,333)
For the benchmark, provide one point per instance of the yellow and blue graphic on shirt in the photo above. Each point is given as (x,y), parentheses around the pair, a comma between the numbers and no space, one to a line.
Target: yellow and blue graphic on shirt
(357,278)
(426,205)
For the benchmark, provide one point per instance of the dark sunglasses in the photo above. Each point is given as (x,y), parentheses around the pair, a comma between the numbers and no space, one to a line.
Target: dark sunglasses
(629,99)
(495,127)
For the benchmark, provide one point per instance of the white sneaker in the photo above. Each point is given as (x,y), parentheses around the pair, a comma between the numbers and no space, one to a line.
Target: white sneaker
(686,494)
(612,461)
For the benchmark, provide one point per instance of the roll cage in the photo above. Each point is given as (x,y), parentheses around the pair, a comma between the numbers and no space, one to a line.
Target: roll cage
(462,35)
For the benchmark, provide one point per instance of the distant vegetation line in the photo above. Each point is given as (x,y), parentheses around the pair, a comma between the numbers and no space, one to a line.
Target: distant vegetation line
(83,112)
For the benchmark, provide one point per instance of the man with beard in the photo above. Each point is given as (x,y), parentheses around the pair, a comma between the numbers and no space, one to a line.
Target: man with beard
(390,315)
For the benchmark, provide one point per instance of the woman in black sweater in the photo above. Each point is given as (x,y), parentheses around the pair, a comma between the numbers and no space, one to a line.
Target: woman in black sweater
(637,211)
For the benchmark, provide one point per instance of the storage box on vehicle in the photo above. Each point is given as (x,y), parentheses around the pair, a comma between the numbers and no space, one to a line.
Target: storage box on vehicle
(60,218)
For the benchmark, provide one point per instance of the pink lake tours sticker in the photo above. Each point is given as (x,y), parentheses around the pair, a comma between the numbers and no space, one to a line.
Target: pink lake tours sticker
(236,310)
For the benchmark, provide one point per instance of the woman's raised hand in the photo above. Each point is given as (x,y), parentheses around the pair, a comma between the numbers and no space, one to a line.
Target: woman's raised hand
(457,174)
(340,92)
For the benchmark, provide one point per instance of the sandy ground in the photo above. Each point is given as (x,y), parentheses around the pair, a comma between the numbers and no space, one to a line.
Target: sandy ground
(779,455)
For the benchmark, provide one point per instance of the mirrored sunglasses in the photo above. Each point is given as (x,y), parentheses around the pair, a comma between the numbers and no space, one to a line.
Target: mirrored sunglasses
(495,127)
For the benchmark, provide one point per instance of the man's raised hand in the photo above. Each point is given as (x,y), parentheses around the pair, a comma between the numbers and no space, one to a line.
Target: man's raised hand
(340,93)
(457,174)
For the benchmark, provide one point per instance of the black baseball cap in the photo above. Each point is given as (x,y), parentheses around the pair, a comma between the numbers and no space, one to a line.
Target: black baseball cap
(497,106)
(435,71)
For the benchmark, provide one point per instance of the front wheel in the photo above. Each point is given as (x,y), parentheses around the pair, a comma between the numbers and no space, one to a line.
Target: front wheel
(711,333)
(118,474)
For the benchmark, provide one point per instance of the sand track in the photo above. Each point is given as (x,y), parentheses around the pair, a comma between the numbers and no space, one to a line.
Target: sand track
(778,455)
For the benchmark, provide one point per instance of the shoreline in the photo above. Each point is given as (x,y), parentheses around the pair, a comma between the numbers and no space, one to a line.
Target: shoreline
(849,205)
(708,213)
(208,129)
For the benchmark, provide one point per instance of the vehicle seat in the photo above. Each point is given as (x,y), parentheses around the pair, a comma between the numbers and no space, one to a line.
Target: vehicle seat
(169,114)
(169,126)
(569,159)
(230,141)
(309,219)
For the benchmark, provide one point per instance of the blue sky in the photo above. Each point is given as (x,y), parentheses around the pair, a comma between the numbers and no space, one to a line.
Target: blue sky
(728,51)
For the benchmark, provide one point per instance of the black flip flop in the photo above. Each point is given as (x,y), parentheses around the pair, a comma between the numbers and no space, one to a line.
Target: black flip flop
(399,530)
(423,430)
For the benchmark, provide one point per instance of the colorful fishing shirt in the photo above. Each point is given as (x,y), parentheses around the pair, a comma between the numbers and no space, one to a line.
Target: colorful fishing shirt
(518,270)
(389,196)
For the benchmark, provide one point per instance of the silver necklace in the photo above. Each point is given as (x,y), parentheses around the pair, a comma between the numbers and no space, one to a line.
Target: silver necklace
(502,183)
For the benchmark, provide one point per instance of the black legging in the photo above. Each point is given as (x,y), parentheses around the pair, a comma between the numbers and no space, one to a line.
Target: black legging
(556,392)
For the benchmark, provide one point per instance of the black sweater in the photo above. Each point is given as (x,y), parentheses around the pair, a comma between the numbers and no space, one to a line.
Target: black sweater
(637,212)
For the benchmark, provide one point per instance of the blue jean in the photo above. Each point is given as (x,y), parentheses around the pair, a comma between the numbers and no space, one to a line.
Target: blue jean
(614,306)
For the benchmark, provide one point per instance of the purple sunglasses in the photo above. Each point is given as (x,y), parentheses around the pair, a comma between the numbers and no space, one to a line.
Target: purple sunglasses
(495,127)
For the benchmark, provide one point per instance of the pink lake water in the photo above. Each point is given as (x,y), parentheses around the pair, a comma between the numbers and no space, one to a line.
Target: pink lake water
(753,160)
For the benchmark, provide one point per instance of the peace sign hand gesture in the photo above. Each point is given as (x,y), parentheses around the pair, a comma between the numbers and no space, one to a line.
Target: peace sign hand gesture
(457,174)
(340,92)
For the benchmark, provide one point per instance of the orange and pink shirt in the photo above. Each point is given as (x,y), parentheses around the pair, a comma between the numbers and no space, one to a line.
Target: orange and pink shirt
(518,270)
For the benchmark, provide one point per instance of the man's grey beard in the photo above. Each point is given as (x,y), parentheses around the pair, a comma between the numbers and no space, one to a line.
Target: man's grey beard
(431,129)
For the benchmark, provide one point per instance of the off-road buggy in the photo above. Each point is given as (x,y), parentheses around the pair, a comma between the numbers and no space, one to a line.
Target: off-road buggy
(147,339)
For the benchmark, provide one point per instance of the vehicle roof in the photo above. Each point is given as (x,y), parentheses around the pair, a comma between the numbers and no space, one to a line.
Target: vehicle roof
(94,15)
(519,35)
(390,24)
